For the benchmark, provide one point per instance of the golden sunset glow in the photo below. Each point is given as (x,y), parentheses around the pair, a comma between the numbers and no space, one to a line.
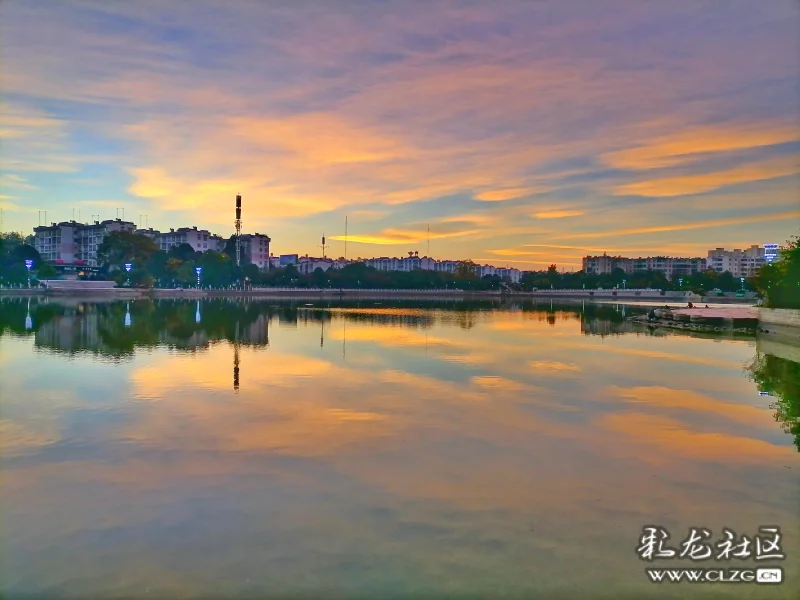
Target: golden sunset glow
(401,122)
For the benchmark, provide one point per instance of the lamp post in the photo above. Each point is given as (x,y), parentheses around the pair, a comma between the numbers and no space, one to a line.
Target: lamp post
(742,280)
(128,267)
(29,266)
(624,281)
(680,282)
(199,271)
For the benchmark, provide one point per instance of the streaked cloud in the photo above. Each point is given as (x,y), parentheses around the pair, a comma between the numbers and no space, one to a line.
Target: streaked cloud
(492,118)
(696,184)
(558,214)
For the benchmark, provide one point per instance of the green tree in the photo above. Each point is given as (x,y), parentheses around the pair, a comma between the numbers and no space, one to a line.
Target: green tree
(466,271)
(779,282)
(120,247)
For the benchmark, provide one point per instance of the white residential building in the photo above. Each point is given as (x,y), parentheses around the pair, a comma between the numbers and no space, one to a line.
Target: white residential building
(310,264)
(255,249)
(73,243)
(198,239)
(670,266)
(740,263)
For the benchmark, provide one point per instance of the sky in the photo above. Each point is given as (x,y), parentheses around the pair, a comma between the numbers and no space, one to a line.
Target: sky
(518,133)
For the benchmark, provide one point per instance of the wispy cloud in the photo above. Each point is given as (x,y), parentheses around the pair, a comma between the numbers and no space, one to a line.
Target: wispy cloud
(309,110)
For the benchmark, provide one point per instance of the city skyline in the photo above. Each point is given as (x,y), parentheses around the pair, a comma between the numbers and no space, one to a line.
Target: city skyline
(521,133)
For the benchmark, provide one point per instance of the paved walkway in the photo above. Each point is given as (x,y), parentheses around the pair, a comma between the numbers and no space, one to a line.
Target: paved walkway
(727,312)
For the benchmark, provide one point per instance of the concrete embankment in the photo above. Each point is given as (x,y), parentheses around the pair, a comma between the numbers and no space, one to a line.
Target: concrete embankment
(779,323)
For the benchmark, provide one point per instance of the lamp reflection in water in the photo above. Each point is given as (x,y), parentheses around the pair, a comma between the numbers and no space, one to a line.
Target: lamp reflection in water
(28,319)
(197,313)
(128,320)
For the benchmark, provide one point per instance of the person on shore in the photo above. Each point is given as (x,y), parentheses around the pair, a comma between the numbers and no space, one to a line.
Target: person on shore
(690,305)
(651,316)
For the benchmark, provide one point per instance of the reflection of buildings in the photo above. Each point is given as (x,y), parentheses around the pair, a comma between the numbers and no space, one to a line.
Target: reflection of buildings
(71,332)
(599,326)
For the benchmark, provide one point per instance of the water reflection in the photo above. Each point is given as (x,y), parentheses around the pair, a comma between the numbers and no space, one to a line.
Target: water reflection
(274,449)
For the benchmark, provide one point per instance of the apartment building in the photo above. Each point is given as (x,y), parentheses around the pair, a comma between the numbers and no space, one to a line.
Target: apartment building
(73,243)
(670,266)
(200,240)
(308,264)
(740,263)
(255,248)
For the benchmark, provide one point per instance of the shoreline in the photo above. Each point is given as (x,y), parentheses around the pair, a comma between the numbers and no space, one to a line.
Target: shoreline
(642,298)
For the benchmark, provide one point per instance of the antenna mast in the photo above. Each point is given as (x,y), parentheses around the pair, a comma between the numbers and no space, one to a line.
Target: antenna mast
(238,224)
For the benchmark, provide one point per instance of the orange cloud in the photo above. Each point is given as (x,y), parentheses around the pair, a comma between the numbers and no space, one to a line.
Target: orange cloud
(691,225)
(557,214)
(545,366)
(505,194)
(685,146)
(393,237)
(696,184)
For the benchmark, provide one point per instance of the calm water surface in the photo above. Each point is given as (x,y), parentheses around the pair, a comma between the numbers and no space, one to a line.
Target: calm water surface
(404,450)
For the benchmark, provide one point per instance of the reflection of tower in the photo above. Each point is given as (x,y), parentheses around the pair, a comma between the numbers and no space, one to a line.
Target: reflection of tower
(322,334)
(238,224)
(28,320)
(197,313)
(128,314)
(236,358)
(344,338)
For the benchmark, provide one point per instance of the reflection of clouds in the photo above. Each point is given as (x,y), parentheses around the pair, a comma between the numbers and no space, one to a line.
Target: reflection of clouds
(213,370)
(387,465)
(390,336)
(663,397)
(16,438)
(553,367)
(673,438)
(669,356)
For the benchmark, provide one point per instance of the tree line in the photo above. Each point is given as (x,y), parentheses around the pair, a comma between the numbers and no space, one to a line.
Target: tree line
(778,283)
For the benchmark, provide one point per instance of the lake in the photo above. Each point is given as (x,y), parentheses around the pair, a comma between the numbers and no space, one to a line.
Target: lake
(393,449)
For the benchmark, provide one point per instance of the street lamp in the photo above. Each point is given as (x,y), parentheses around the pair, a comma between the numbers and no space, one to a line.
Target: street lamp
(128,267)
(680,282)
(742,279)
(199,271)
(624,281)
(29,266)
